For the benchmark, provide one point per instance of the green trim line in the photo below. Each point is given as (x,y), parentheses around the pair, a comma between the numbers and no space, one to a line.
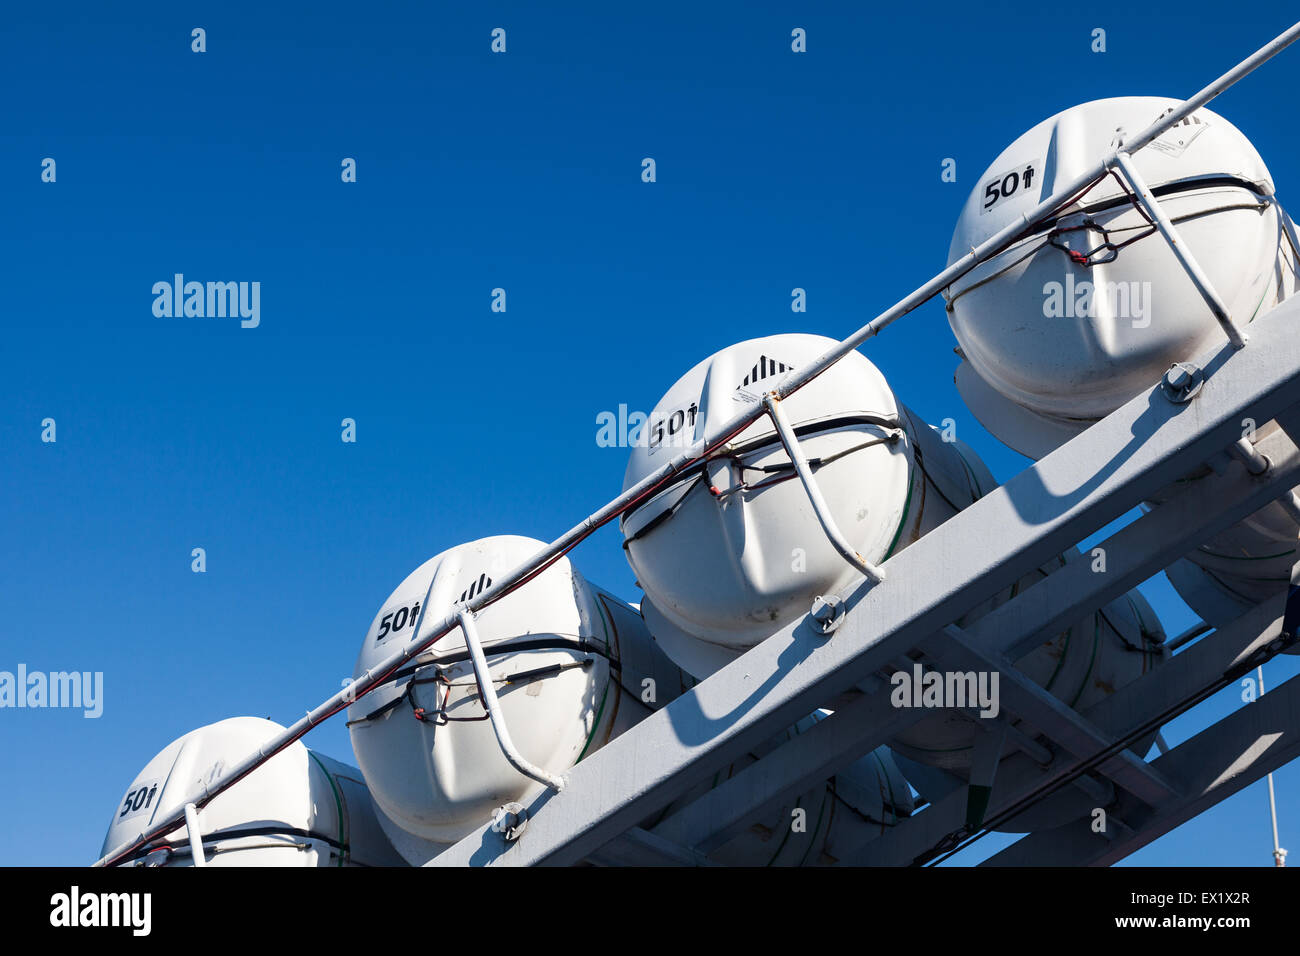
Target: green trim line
(609,679)
(338,804)
(1060,661)
(1264,295)
(601,611)
(595,724)
(907,503)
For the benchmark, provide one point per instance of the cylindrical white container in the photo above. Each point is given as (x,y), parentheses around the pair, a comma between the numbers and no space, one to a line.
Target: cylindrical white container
(733,551)
(300,808)
(1075,319)
(572,666)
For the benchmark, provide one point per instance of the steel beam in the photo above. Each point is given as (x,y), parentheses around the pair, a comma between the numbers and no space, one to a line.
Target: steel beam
(1136,551)
(1152,700)
(1253,741)
(798,764)
(636,847)
(1027,700)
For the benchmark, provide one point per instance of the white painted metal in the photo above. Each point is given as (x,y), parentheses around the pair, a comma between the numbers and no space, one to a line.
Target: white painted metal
(1182,682)
(195,835)
(299,809)
(1155,211)
(1243,565)
(758,531)
(436,780)
(750,793)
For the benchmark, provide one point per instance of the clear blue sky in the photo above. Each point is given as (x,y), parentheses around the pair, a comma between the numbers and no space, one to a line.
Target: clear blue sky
(475,171)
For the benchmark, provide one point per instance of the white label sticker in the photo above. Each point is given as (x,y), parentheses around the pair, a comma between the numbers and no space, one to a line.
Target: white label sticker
(1174,142)
(139,798)
(1014,183)
(402,617)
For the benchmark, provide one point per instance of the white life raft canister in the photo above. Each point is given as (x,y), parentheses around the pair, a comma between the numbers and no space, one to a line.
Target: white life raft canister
(300,808)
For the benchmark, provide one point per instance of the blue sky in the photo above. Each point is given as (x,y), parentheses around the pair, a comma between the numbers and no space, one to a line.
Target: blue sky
(475,171)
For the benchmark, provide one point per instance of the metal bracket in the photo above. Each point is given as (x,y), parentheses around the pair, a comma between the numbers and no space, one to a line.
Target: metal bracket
(801,467)
(1259,464)
(489,694)
(1148,202)
(196,835)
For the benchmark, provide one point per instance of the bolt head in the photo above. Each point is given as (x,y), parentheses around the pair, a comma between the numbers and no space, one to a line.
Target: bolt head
(510,821)
(827,611)
(1182,382)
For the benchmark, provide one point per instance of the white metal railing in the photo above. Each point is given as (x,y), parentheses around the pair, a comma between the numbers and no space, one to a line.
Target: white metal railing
(698,451)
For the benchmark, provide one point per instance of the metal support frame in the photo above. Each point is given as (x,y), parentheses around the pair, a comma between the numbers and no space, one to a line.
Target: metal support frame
(483,677)
(797,458)
(195,834)
(1219,761)
(1016,528)
(812,756)
(1139,449)
(1180,683)
(1066,726)
(1258,464)
(1134,553)
(1180,250)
